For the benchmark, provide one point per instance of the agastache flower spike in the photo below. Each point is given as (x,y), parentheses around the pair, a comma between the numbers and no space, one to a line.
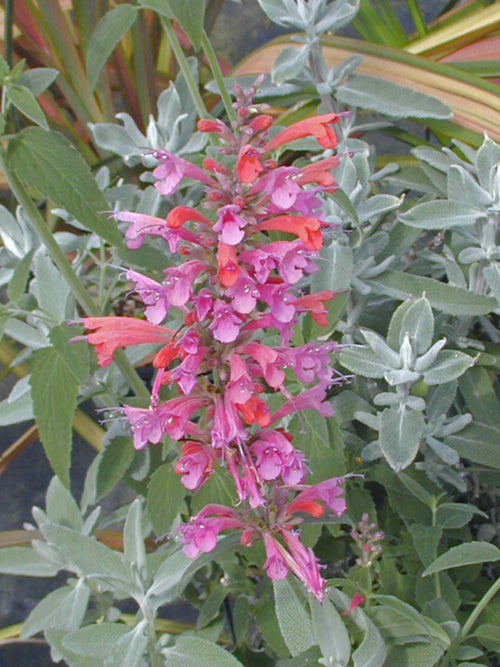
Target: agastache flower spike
(231,285)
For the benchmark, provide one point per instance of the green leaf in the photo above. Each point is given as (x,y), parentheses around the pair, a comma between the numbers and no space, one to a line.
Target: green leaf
(487,159)
(24,100)
(197,652)
(189,15)
(487,635)
(418,322)
(55,639)
(61,506)
(470,553)
(422,655)
(51,291)
(311,436)
(448,366)
(63,609)
(390,99)
(87,556)
(478,443)
(113,463)
(456,515)
(17,284)
(25,562)
(477,389)
(441,214)
(330,633)
(134,549)
(363,362)
(106,36)
(426,541)
(38,79)
(94,641)
(165,497)
(400,435)
(47,162)
(335,269)
(444,297)
(130,648)
(417,490)
(55,379)
(492,275)
(295,624)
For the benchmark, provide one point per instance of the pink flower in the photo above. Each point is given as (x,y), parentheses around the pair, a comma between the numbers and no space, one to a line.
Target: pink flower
(244,295)
(330,493)
(153,295)
(227,427)
(176,416)
(307,229)
(267,359)
(280,301)
(145,425)
(172,170)
(195,465)
(240,386)
(303,563)
(225,324)
(200,534)
(275,564)
(230,225)
(249,165)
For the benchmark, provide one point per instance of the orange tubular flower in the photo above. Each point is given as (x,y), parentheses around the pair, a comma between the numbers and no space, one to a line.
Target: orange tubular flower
(249,165)
(319,172)
(229,270)
(307,229)
(315,304)
(179,215)
(109,334)
(318,127)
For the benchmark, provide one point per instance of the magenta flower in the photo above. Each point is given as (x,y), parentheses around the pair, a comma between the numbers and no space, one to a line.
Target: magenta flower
(225,323)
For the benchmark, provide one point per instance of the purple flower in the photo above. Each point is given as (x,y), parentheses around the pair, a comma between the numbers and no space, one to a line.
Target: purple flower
(153,294)
(172,170)
(279,300)
(244,295)
(227,427)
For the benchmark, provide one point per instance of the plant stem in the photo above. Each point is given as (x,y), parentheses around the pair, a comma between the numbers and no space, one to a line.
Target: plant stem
(62,263)
(184,67)
(477,611)
(219,77)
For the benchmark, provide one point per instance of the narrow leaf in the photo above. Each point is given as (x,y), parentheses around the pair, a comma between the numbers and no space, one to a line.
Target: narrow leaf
(107,35)
(24,100)
(330,633)
(294,622)
(165,496)
(25,562)
(440,215)
(198,652)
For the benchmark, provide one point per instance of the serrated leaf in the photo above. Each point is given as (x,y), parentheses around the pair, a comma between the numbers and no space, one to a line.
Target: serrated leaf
(197,652)
(470,553)
(400,435)
(106,36)
(48,162)
(24,100)
(165,497)
(448,299)
(54,388)
(330,633)
(26,562)
(441,214)
(390,99)
(295,623)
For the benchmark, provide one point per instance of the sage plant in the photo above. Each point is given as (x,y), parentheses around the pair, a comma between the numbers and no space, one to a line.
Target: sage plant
(240,291)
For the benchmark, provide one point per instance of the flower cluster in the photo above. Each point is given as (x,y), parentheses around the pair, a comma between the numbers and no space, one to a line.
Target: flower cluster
(367,539)
(245,251)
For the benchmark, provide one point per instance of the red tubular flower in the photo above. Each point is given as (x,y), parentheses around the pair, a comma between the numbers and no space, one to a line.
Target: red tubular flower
(229,270)
(249,165)
(318,126)
(109,334)
(255,411)
(319,173)
(307,229)
(179,215)
(315,304)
